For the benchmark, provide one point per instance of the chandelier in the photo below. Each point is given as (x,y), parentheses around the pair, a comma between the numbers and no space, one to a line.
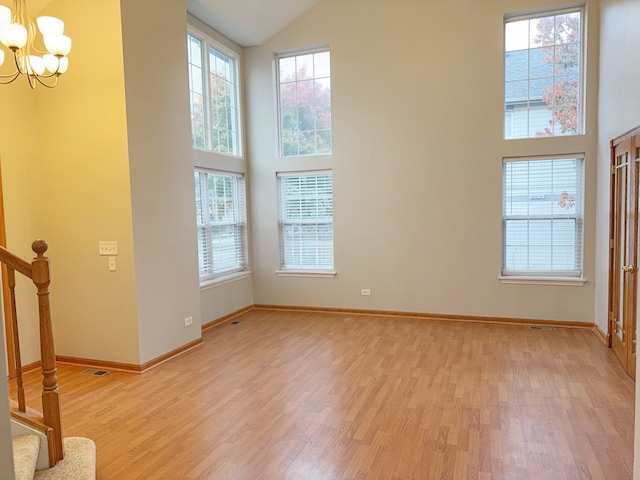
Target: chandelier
(18,34)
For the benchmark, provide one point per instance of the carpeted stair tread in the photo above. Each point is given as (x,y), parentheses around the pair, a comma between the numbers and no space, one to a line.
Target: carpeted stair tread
(25,455)
(79,462)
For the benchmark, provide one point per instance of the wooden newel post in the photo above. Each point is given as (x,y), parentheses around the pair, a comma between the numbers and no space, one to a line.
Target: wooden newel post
(50,394)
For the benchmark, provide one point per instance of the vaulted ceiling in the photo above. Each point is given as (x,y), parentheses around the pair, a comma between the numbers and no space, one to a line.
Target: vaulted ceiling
(248,22)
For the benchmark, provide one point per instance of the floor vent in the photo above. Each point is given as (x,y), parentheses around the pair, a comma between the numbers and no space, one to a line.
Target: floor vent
(95,373)
(540,327)
(235,322)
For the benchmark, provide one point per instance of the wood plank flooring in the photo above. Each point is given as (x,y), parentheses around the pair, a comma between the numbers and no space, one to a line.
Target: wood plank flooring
(294,395)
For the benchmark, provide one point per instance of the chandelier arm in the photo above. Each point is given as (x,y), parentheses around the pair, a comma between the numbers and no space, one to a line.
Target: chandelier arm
(15,60)
(7,79)
(39,79)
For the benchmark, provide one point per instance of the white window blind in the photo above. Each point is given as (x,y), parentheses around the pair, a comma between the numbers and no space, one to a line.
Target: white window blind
(306,221)
(221,221)
(542,218)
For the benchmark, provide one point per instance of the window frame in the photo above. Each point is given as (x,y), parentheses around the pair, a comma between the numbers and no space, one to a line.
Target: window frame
(301,270)
(280,128)
(207,42)
(581,96)
(211,276)
(552,277)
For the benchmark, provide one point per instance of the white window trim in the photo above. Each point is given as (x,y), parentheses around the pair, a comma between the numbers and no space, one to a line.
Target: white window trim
(527,278)
(216,279)
(545,12)
(224,279)
(276,75)
(208,40)
(303,272)
(287,272)
(559,281)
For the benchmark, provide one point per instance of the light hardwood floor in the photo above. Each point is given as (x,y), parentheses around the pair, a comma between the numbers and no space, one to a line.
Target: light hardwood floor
(294,395)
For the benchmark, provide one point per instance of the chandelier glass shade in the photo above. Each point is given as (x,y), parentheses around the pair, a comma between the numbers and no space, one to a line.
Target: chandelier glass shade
(18,34)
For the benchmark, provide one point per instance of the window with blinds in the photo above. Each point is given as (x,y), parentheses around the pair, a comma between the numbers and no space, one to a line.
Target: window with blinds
(306,221)
(542,216)
(221,221)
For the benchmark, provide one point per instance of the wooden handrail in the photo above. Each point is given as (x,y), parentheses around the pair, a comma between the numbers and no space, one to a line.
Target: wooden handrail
(38,272)
(16,262)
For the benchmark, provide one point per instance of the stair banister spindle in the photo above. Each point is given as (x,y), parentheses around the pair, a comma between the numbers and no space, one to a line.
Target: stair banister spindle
(11,280)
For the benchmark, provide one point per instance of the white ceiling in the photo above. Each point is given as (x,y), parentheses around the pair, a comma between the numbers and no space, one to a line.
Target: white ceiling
(248,22)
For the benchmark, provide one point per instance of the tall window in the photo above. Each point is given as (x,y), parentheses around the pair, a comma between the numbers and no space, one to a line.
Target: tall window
(305,104)
(306,221)
(542,217)
(222,224)
(213,87)
(543,75)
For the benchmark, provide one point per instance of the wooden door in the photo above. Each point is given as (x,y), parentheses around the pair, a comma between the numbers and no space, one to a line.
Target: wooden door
(623,264)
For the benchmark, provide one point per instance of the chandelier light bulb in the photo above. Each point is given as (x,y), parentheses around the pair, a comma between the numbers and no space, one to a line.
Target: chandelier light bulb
(55,64)
(64,64)
(5,15)
(13,35)
(51,62)
(48,25)
(57,44)
(35,65)
(1,56)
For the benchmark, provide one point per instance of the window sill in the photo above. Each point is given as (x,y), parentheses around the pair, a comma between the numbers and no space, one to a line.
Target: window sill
(216,282)
(307,273)
(564,281)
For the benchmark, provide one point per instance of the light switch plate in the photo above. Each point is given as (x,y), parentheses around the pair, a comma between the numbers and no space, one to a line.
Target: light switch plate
(108,248)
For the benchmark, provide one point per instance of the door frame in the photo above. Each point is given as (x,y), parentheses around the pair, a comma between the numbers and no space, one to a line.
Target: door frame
(619,277)
(6,300)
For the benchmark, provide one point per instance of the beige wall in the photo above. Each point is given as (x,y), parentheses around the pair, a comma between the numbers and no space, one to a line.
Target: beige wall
(162,187)
(83,134)
(62,158)
(619,111)
(417,91)
(223,298)
(22,185)
(106,156)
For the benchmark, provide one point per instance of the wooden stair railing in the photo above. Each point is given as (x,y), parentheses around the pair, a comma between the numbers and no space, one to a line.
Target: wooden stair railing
(38,272)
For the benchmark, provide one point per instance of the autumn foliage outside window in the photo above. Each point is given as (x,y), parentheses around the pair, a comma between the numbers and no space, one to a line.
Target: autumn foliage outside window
(304,91)
(213,88)
(543,75)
